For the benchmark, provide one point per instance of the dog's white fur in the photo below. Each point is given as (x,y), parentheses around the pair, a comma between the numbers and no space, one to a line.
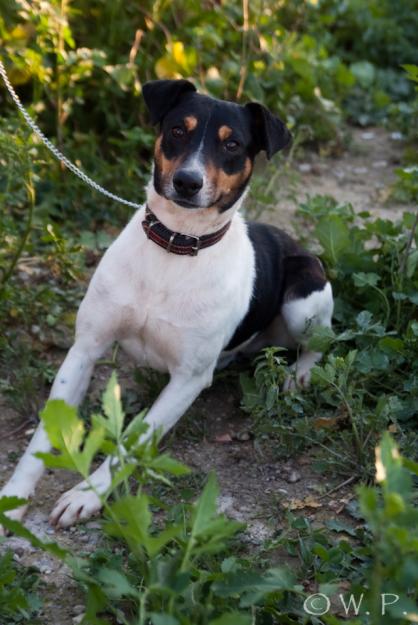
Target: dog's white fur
(171,313)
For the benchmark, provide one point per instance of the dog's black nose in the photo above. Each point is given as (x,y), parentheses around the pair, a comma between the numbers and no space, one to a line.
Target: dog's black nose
(187,183)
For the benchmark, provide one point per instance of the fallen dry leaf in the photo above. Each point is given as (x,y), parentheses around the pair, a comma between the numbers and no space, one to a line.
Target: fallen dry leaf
(328,423)
(223,438)
(306,502)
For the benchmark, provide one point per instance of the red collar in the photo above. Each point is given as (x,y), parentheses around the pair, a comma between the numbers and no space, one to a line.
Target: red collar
(176,242)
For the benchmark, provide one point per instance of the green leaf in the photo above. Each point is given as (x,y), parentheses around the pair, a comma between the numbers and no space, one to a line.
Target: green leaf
(338,526)
(391,345)
(130,520)
(364,319)
(252,586)
(116,584)
(167,464)
(322,338)
(137,426)
(232,618)
(11,503)
(205,507)
(334,236)
(16,528)
(362,279)
(112,407)
(364,72)
(389,469)
(121,475)
(65,432)
(163,619)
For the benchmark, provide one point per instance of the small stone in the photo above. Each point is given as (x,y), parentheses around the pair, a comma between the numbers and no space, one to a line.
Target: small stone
(305,168)
(380,164)
(396,136)
(78,609)
(368,136)
(242,436)
(78,619)
(294,476)
(93,525)
(360,170)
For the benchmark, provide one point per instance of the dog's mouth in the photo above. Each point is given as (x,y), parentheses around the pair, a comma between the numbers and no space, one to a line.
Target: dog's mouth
(192,203)
(185,203)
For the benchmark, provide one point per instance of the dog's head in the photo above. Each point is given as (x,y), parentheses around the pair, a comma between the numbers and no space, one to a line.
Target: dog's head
(205,152)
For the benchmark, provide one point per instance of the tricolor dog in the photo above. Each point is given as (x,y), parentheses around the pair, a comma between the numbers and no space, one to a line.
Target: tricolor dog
(188,283)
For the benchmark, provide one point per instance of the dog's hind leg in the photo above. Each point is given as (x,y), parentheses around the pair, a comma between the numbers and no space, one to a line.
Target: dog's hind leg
(308,303)
(81,501)
(70,385)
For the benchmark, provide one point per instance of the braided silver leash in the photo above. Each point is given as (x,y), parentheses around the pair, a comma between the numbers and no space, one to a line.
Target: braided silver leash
(55,151)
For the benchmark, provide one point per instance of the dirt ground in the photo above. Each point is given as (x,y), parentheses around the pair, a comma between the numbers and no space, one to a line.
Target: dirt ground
(215,433)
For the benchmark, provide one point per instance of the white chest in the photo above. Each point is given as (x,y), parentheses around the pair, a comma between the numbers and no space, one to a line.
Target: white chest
(167,309)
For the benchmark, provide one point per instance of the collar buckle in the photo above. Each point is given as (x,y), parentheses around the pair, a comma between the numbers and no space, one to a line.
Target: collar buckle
(196,247)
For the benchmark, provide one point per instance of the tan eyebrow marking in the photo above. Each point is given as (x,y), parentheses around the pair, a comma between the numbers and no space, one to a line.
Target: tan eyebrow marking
(166,166)
(224,132)
(190,122)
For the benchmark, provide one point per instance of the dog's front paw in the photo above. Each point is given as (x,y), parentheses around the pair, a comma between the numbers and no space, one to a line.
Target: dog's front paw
(297,380)
(77,504)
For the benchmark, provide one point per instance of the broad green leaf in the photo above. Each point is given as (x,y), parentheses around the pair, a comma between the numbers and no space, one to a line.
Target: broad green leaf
(167,464)
(389,470)
(334,236)
(321,339)
(391,345)
(65,432)
(362,279)
(364,319)
(11,503)
(91,446)
(252,586)
(205,507)
(131,519)
(115,583)
(112,407)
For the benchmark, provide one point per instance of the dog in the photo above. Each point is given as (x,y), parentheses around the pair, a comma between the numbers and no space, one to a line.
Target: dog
(188,283)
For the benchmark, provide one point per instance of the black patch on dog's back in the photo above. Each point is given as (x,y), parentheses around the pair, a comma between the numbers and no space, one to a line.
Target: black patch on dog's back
(284,270)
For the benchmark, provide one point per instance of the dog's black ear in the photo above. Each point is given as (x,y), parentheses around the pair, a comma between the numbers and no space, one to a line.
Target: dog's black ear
(270,133)
(161,95)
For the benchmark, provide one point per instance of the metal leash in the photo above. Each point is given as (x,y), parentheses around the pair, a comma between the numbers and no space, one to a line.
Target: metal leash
(55,151)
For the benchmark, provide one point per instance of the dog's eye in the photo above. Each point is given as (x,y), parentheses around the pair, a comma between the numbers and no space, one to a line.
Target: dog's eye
(232,146)
(177,132)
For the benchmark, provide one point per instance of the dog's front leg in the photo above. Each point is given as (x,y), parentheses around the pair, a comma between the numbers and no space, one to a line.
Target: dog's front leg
(82,501)
(70,385)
